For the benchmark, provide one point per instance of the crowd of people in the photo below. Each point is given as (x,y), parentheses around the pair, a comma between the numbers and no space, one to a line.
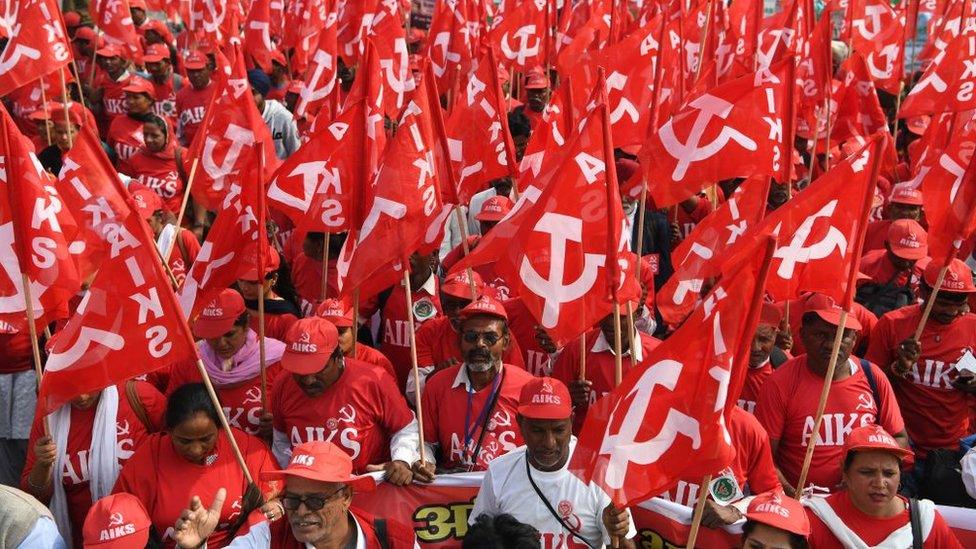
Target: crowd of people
(153,462)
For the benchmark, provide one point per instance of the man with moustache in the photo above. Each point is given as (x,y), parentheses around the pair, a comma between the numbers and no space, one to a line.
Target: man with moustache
(469,409)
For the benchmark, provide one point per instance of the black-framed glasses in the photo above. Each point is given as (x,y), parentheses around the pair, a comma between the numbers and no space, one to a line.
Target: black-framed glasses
(490,338)
(312,503)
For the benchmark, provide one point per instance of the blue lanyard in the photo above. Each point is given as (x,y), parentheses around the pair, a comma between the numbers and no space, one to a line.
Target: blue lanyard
(469,429)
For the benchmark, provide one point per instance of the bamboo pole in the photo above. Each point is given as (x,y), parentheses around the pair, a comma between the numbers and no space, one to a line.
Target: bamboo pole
(35,345)
(413,364)
(699,511)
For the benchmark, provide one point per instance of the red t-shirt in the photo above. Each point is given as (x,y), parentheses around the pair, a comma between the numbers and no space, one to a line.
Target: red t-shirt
(178,264)
(75,476)
(437,342)
(495,286)
(241,401)
(306,275)
(275,325)
(191,104)
(358,413)
(787,407)
(600,368)
(877,265)
(125,138)
(521,324)
(449,408)
(369,355)
(687,221)
(865,317)
(165,105)
(154,171)
(752,466)
(873,530)
(164,481)
(16,354)
(936,413)
(394,336)
(755,377)
(113,98)
(876,235)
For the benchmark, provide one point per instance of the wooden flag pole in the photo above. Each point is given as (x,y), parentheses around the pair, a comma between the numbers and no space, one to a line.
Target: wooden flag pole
(413,365)
(183,204)
(696,518)
(931,299)
(631,335)
(459,218)
(617,359)
(894,131)
(355,319)
(35,345)
(47,111)
(324,291)
(261,266)
(261,347)
(223,421)
(582,364)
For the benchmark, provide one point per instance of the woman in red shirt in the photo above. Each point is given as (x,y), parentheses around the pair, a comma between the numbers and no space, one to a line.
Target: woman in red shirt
(194,457)
(280,301)
(158,165)
(90,438)
(869,512)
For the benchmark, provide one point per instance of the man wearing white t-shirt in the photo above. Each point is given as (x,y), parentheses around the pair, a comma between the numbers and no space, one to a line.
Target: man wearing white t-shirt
(532,482)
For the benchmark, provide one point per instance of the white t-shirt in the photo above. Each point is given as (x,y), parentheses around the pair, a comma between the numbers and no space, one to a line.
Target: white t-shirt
(506,489)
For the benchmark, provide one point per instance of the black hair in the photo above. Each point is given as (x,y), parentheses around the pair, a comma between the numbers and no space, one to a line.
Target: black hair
(500,532)
(284,286)
(156,120)
(243,320)
(187,401)
(518,124)
(796,540)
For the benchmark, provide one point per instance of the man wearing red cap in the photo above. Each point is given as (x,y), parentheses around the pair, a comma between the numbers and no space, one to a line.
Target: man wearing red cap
(894,271)
(118,521)
(339,313)
(492,211)
(538,349)
(760,363)
(904,202)
(84,43)
(533,483)
(125,132)
(536,96)
(774,519)
(328,397)
(933,393)
(183,252)
(469,409)
(165,83)
(869,512)
(496,187)
(600,362)
(230,353)
(192,100)
(107,96)
(860,394)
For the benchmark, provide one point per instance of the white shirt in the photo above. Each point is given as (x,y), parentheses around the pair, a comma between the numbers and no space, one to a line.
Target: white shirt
(259,536)
(506,489)
(602,345)
(474,208)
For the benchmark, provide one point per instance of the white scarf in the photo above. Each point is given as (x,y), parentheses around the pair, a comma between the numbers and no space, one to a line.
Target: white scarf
(898,539)
(166,238)
(103,459)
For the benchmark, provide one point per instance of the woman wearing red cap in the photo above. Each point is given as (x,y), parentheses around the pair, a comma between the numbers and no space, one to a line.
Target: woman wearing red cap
(125,132)
(157,163)
(280,300)
(775,521)
(230,352)
(194,457)
(90,438)
(869,512)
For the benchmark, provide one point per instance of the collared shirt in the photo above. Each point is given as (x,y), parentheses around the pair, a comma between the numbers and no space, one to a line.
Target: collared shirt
(602,345)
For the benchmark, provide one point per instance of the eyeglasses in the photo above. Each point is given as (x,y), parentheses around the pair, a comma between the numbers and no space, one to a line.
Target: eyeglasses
(312,503)
(490,338)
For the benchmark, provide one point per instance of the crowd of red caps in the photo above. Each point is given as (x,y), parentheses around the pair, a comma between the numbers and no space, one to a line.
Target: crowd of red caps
(329,315)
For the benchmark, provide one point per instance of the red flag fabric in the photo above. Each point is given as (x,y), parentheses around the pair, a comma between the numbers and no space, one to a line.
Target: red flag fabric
(127,324)
(949,192)
(214,21)
(232,130)
(633,449)
(257,40)
(557,246)
(947,84)
(90,187)
(878,33)
(857,111)
(521,36)
(813,74)
(33,237)
(114,20)
(321,74)
(700,255)
(450,45)
(742,119)
(37,43)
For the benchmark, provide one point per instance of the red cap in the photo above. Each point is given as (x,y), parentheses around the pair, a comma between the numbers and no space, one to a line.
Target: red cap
(770,315)
(117,521)
(958,278)
(272,260)
(336,311)
(495,208)
(775,509)
(147,201)
(308,345)
(484,306)
(196,60)
(907,239)
(904,194)
(218,317)
(828,311)
(324,462)
(85,33)
(279,58)
(140,4)
(155,53)
(110,50)
(458,285)
(295,86)
(71,19)
(138,84)
(536,79)
(545,398)
(626,168)
(874,437)
(918,124)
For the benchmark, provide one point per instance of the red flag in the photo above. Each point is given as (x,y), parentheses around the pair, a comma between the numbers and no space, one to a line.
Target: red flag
(742,119)
(37,43)
(257,43)
(813,74)
(947,84)
(214,21)
(633,449)
(128,323)
(949,191)
(449,43)
(33,238)
(521,36)
(232,130)
(321,74)
(857,111)
(114,20)
(700,255)
(878,33)
(91,188)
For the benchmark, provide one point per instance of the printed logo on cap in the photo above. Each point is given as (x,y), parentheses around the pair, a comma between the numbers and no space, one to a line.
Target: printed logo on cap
(910,241)
(117,528)
(304,344)
(213,312)
(305,460)
(882,438)
(773,507)
(952,281)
